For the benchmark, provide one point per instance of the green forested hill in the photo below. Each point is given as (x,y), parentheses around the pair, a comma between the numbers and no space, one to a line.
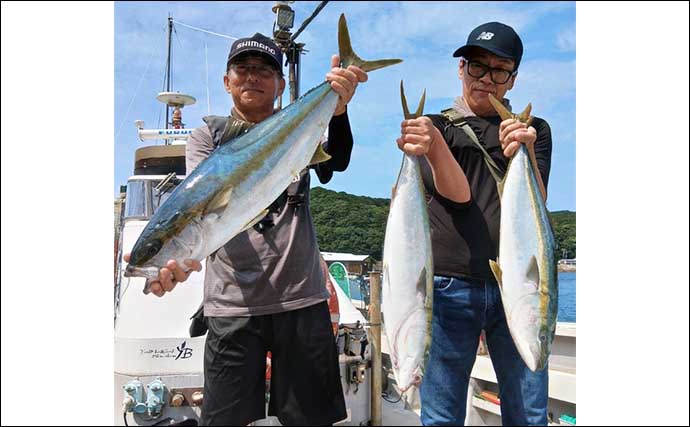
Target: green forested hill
(357,224)
(348,223)
(564,230)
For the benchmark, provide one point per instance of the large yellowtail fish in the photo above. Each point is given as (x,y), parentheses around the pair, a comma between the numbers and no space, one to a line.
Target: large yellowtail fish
(408,271)
(231,190)
(526,269)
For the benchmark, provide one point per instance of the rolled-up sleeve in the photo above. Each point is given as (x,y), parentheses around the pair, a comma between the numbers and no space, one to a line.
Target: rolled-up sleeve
(199,147)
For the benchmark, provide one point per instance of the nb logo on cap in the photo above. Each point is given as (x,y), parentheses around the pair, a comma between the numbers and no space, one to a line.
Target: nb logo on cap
(485,35)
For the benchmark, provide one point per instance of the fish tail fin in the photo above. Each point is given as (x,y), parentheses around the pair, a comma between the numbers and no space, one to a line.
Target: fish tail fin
(406,110)
(500,108)
(349,57)
(505,114)
(525,115)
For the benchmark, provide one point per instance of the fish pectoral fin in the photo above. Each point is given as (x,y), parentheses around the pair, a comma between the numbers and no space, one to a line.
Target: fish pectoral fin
(532,273)
(421,282)
(498,274)
(386,278)
(219,202)
(256,219)
(320,155)
(424,290)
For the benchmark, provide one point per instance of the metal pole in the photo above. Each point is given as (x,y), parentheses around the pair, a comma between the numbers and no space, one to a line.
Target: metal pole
(293,65)
(375,329)
(167,88)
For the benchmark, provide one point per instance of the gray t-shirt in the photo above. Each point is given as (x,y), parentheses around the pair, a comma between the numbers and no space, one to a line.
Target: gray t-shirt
(278,268)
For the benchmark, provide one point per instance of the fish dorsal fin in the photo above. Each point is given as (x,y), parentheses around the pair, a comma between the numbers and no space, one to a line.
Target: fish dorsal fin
(498,274)
(320,155)
(532,273)
(349,57)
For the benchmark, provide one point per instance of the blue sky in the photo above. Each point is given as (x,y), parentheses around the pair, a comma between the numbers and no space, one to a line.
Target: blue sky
(424,35)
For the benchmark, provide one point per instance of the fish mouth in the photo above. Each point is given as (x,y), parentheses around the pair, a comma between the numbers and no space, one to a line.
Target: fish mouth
(534,356)
(415,380)
(147,272)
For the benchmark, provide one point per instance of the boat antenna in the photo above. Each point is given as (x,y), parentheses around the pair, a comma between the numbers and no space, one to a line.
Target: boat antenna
(168,73)
(285,19)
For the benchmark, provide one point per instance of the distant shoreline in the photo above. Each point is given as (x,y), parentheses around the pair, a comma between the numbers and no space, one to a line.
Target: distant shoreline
(566,268)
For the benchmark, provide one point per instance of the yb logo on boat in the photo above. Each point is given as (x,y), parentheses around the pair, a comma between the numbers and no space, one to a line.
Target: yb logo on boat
(184,352)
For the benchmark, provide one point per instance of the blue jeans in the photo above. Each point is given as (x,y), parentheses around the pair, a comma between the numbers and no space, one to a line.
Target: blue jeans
(462,308)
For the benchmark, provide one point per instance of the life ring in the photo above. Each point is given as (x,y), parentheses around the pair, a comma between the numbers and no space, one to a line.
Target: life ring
(333,308)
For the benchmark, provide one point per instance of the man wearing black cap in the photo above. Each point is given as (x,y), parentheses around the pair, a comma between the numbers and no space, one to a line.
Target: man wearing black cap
(465,149)
(264,290)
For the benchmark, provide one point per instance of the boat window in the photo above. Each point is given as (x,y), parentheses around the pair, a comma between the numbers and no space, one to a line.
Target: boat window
(146,196)
(138,201)
(159,196)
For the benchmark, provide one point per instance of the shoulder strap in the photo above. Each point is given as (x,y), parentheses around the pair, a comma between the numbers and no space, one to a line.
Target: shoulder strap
(457,119)
(225,128)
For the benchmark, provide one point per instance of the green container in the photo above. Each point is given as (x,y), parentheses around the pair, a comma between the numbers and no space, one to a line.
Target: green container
(567,419)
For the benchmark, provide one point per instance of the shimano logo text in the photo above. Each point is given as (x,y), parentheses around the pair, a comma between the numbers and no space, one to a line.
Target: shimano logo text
(252,43)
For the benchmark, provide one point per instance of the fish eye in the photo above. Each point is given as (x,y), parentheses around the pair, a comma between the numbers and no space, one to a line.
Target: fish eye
(153,248)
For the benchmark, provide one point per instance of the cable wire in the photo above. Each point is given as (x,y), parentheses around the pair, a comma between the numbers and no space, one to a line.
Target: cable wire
(205,31)
(308,20)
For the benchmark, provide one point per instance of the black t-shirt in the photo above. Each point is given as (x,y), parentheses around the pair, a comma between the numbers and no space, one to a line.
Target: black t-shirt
(464,236)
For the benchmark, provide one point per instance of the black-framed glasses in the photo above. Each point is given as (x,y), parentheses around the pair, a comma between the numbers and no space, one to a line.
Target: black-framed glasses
(262,70)
(498,75)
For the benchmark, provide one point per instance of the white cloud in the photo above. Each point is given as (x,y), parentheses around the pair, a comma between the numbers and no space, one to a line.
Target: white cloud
(548,84)
(565,41)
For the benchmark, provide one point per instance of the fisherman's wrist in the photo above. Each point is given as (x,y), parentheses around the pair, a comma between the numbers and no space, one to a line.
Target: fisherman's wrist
(433,152)
(337,114)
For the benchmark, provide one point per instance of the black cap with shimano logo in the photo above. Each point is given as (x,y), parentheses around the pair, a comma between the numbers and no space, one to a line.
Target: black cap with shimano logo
(258,43)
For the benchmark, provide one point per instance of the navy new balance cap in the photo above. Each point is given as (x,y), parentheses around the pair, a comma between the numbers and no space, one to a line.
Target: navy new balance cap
(497,38)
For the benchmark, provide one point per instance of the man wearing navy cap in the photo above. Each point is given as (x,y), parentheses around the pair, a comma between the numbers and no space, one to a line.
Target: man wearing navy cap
(465,148)
(264,290)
